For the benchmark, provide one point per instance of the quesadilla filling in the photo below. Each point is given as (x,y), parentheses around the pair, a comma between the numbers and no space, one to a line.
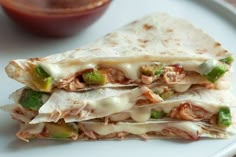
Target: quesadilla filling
(47,76)
(95,130)
(144,108)
(184,111)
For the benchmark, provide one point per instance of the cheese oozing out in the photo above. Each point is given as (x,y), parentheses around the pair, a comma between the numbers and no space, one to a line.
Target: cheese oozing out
(131,70)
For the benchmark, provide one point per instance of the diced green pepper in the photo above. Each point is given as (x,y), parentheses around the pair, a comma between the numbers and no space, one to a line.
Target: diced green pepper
(228,60)
(157,114)
(60,130)
(213,70)
(42,80)
(152,70)
(224,117)
(31,99)
(94,78)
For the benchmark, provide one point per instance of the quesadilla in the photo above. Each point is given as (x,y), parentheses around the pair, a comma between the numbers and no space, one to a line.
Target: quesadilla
(155,49)
(95,130)
(157,77)
(115,105)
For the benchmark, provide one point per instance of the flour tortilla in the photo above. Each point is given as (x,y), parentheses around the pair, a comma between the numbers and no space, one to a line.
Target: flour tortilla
(94,130)
(155,38)
(100,103)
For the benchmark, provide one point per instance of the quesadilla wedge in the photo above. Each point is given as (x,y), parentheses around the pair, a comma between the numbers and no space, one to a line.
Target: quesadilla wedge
(95,130)
(85,105)
(158,48)
(114,105)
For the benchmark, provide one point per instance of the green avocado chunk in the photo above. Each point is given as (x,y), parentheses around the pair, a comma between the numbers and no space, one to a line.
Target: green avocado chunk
(167,94)
(94,78)
(41,72)
(42,79)
(60,130)
(224,117)
(216,73)
(213,70)
(152,70)
(31,99)
(157,114)
(228,60)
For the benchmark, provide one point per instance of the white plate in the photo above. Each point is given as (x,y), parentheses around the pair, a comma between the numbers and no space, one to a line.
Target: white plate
(217,20)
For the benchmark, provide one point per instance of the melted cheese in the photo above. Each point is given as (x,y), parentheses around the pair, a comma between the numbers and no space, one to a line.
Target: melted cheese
(62,71)
(101,102)
(208,66)
(209,100)
(141,114)
(181,87)
(130,69)
(141,128)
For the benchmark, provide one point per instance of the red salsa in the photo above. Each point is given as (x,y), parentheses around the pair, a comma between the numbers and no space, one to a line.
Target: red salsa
(55,17)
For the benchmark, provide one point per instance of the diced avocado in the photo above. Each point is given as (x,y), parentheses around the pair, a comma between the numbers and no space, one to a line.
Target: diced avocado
(163,91)
(216,73)
(157,114)
(158,90)
(42,80)
(213,70)
(31,99)
(152,70)
(60,131)
(94,78)
(224,117)
(41,72)
(228,60)
(166,94)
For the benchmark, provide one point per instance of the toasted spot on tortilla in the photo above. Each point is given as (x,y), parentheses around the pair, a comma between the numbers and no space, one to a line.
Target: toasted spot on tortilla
(148,27)
(217,44)
(201,51)
(143,40)
(142,45)
(163,53)
(221,53)
(169,30)
(35,59)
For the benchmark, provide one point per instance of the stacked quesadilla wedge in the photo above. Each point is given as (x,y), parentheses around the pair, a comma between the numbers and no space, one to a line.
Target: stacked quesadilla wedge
(157,77)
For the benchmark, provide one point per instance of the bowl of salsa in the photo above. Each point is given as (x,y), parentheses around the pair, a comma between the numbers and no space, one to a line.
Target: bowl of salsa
(54,18)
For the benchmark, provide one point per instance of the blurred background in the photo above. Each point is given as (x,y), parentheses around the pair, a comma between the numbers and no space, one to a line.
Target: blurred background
(233,2)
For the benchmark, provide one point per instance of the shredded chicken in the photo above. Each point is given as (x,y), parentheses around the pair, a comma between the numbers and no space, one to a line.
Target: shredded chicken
(115,75)
(88,133)
(22,114)
(187,111)
(148,98)
(175,132)
(147,79)
(173,74)
(71,84)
